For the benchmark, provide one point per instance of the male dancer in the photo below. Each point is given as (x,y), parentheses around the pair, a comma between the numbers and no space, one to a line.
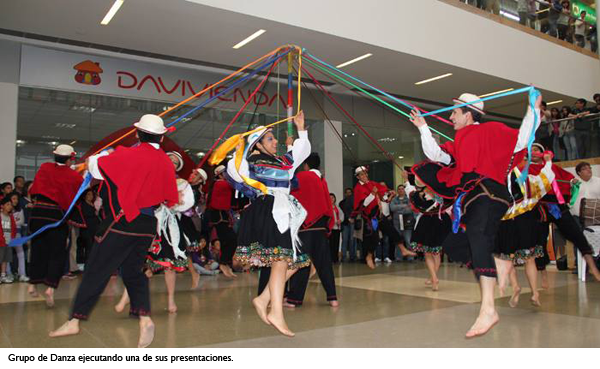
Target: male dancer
(474,169)
(136,180)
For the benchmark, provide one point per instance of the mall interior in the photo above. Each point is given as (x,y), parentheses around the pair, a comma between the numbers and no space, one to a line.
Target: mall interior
(69,76)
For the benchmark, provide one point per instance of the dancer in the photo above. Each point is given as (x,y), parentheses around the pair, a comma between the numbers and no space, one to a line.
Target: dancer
(367,197)
(136,181)
(559,214)
(218,211)
(432,226)
(473,171)
(197,180)
(268,233)
(518,240)
(313,194)
(54,187)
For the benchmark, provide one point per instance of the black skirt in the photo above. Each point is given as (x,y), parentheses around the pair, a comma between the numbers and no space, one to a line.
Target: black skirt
(162,257)
(518,239)
(259,241)
(431,231)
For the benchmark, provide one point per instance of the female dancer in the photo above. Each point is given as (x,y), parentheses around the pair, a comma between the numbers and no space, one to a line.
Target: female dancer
(268,233)
(432,227)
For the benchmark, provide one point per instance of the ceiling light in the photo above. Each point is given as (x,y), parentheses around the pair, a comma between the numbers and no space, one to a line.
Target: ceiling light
(354,60)
(249,38)
(510,15)
(495,93)
(73,142)
(400,157)
(554,102)
(112,11)
(20,142)
(433,79)
(65,125)
(200,154)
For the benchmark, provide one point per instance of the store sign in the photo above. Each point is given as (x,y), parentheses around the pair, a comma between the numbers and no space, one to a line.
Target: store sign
(577,7)
(76,72)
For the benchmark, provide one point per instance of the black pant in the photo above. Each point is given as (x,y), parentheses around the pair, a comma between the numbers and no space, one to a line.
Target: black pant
(315,244)
(48,253)
(475,246)
(334,245)
(571,230)
(118,249)
(387,228)
(228,240)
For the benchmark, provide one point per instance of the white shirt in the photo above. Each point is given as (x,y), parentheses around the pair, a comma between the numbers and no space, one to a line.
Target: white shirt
(433,151)
(587,190)
(93,162)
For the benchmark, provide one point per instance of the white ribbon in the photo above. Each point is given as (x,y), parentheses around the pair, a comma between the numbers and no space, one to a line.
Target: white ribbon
(168,228)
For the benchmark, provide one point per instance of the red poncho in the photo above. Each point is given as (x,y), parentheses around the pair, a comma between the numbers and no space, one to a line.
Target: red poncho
(144,177)
(57,182)
(362,191)
(220,197)
(485,149)
(313,194)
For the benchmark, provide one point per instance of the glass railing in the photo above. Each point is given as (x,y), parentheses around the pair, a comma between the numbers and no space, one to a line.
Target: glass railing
(571,135)
(571,21)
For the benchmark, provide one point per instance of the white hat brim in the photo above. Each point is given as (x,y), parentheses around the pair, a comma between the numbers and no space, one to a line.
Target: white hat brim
(470,106)
(137,125)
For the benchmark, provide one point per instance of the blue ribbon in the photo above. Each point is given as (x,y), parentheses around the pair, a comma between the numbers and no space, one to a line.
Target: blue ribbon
(554,210)
(374,223)
(457,212)
(82,188)
(514,92)
(533,95)
(267,63)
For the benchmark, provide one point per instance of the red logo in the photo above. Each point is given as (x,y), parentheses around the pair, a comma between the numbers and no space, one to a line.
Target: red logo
(88,73)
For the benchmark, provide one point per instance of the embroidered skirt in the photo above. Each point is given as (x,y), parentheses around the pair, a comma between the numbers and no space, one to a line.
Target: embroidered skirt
(430,233)
(518,238)
(259,241)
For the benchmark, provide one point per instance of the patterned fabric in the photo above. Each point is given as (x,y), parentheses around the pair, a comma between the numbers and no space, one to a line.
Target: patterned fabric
(590,212)
(258,256)
(417,247)
(521,256)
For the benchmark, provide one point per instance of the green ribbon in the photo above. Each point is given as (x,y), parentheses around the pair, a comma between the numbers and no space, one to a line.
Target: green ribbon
(574,193)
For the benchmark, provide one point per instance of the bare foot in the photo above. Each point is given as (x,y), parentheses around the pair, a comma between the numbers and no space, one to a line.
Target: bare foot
(484,322)
(288,305)
(406,252)
(148,273)
(120,307)
(32,290)
(49,296)
(261,309)
(195,280)
(227,272)
(435,285)
(514,299)
(428,282)
(280,324)
(146,333)
(535,300)
(370,263)
(70,328)
(172,307)
(334,303)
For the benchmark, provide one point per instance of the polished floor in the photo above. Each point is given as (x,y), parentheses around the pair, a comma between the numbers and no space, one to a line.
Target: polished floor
(386,307)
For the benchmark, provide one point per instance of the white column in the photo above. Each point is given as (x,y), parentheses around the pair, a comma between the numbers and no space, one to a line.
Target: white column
(9,98)
(333,167)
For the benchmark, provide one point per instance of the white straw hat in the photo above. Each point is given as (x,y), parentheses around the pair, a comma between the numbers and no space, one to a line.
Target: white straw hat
(179,159)
(64,150)
(152,124)
(220,169)
(360,169)
(468,98)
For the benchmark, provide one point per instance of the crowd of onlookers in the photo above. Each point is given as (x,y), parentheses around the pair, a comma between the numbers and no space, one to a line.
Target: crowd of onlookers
(553,17)
(571,132)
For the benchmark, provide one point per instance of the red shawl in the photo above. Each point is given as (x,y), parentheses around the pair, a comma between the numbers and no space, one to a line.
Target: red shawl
(144,177)
(59,183)
(362,191)
(562,177)
(485,149)
(313,194)
(220,198)
(13,232)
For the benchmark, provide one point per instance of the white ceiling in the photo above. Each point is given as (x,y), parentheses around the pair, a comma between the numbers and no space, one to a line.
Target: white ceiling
(187,30)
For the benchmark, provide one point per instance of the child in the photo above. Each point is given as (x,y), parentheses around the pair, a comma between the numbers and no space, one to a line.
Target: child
(9,231)
(203,260)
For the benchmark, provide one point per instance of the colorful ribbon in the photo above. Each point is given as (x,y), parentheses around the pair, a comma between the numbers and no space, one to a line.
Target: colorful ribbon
(82,188)
(575,187)
(457,212)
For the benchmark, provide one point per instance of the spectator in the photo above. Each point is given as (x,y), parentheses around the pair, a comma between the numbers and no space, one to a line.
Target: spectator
(526,10)
(580,27)
(593,37)
(543,133)
(5,189)
(19,216)
(204,261)
(404,219)
(556,133)
(553,16)
(334,237)
(348,240)
(583,128)
(569,138)
(19,184)
(493,6)
(9,231)
(564,19)
(588,189)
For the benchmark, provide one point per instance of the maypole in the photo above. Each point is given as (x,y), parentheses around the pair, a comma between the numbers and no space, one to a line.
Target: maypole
(290,97)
